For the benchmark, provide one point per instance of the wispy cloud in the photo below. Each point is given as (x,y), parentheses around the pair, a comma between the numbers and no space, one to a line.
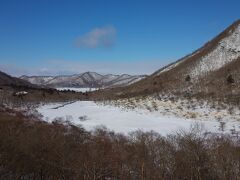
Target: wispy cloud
(98,37)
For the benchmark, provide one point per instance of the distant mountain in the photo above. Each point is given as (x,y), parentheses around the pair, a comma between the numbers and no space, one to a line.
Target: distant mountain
(87,79)
(7,80)
(212,70)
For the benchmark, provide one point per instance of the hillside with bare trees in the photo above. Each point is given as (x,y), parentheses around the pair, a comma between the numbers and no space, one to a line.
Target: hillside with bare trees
(210,72)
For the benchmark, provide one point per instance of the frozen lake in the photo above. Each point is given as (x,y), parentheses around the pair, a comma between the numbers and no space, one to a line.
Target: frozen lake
(91,115)
(76,89)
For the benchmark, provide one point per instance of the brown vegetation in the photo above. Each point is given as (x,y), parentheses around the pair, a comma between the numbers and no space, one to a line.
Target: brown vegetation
(32,149)
(8,95)
(224,83)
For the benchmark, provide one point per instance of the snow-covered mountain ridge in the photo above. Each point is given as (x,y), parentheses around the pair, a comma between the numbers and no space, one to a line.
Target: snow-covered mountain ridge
(223,51)
(87,79)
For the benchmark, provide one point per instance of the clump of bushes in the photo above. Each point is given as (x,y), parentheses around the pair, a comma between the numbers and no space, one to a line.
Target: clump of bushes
(31,149)
(188,78)
(230,79)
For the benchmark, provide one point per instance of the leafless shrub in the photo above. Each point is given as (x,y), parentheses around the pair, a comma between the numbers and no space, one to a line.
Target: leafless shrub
(37,150)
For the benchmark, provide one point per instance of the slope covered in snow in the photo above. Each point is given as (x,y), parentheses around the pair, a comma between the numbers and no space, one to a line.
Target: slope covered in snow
(228,49)
(84,80)
(212,56)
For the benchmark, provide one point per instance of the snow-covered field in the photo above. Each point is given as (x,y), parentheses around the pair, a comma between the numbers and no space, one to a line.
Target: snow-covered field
(77,89)
(91,115)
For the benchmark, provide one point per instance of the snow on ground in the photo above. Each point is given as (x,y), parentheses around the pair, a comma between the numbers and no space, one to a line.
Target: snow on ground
(77,89)
(183,108)
(91,115)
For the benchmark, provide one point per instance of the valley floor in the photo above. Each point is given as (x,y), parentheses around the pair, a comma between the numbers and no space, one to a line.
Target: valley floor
(127,115)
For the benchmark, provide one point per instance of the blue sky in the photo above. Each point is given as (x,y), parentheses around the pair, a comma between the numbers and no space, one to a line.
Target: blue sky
(108,36)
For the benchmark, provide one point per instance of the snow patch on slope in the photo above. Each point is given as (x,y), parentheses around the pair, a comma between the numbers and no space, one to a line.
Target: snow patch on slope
(169,67)
(227,51)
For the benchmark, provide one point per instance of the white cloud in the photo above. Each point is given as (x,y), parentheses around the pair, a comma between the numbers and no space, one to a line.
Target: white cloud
(98,37)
